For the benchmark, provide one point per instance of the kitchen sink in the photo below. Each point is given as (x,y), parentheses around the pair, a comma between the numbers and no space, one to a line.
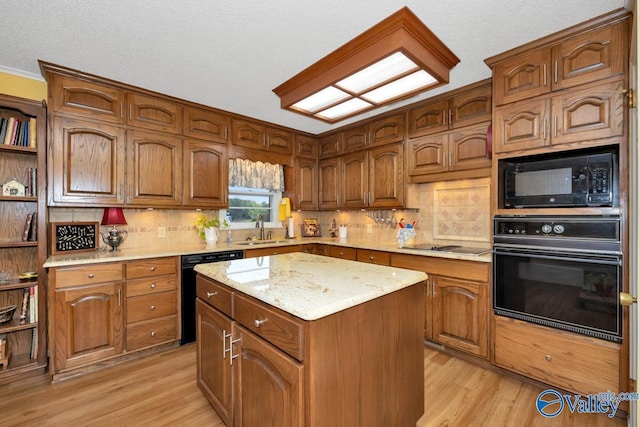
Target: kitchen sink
(258,242)
(458,249)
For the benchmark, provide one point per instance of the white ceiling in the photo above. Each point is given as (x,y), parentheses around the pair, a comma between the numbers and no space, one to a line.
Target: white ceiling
(231,54)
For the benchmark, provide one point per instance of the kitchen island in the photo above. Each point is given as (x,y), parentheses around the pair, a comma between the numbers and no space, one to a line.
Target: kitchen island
(301,339)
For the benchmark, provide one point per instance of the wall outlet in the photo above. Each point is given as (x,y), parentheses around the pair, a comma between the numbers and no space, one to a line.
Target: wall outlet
(162,232)
(369,228)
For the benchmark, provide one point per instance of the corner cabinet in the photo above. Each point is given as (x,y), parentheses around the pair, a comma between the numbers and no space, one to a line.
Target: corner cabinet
(23,240)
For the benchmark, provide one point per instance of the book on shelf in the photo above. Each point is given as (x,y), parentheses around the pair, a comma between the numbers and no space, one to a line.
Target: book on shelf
(25,306)
(18,132)
(34,343)
(32,304)
(33,231)
(10,129)
(27,227)
(33,181)
(3,129)
(32,132)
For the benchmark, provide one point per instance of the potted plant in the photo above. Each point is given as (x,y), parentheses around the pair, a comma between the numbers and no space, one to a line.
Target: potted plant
(208,228)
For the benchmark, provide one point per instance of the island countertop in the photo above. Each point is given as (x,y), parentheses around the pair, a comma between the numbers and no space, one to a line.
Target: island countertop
(310,286)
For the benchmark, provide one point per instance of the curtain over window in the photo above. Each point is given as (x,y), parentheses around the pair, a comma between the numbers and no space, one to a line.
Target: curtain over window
(245,173)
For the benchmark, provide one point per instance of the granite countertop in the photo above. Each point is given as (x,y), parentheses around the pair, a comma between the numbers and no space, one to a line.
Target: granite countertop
(310,286)
(177,249)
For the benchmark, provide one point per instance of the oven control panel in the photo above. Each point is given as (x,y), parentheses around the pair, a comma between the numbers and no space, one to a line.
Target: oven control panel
(599,228)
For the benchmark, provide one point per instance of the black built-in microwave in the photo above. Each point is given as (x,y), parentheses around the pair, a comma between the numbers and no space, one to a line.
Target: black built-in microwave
(565,179)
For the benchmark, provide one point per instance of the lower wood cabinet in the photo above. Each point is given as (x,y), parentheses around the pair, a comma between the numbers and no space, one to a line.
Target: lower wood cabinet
(571,362)
(456,303)
(258,365)
(284,249)
(108,309)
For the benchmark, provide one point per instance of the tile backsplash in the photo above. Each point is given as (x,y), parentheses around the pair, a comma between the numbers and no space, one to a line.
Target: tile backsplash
(448,211)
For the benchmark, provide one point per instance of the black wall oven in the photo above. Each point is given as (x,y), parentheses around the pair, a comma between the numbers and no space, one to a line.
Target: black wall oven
(562,272)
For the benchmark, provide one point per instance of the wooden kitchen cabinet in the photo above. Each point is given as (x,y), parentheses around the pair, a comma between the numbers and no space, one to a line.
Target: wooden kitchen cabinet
(456,301)
(87,323)
(283,249)
(583,55)
(205,174)
(379,132)
(373,257)
(569,361)
(354,177)
(463,149)
(459,108)
(154,113)
(329,183)
(306,146)
(588,113)
(342,252)
(206,124)
(330,145)
(154,169)
(306,182)
(258,136)
(86,163)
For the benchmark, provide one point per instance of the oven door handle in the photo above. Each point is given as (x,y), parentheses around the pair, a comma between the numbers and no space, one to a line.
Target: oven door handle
(614,260)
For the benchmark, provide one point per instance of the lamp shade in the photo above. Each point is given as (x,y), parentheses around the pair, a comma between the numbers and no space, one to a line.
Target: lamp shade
(113,216)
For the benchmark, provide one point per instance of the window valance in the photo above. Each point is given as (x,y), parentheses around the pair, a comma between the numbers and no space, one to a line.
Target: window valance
(245,173)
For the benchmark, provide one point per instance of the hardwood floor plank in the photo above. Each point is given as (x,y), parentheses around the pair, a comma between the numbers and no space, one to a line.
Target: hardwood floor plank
(161,390)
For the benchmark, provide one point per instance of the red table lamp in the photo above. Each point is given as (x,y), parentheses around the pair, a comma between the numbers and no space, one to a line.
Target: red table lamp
(113,217)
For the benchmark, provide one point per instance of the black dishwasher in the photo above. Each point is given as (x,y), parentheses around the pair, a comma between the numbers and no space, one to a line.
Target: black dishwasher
(188,302)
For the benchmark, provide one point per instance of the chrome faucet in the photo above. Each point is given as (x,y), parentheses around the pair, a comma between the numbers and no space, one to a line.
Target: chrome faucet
(260,225)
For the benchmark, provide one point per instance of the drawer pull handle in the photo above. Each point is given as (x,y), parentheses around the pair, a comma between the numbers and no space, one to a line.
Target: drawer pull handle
(257,323)
(153,333)
(153,307)
(211,294)
(371,258)
(548,358)
(152,269)
(153,286)
(91,276)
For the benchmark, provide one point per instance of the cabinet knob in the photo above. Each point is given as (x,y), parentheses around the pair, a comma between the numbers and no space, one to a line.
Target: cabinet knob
(211,294)
(153,268)
(153,333)
(548,358)
(153,286)
(341,253)
(371,258)
(91,275)
(627,299)
(257,323)
(153,307)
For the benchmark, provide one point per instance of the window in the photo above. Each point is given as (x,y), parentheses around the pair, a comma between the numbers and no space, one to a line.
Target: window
(246,203)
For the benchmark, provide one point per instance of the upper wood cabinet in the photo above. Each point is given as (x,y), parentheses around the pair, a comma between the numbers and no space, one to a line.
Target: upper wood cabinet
(205,174)
(460,108)
(306,180)
(328,183)
(206,124)
(154,169)
(306,146)
(354,177)
(386,176)
(590,112)
(255,135)
(587,55)
(380,132)
(330,145)
(87,163)
(463,149)
(149,112)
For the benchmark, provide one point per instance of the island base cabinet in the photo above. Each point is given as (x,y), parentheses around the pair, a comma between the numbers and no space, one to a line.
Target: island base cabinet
(270,384)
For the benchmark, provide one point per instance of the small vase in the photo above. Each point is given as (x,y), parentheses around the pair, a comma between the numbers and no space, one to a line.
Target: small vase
(211,235)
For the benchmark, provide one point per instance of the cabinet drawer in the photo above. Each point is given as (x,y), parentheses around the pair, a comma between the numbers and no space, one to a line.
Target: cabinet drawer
(280,329)
(341,252)
(214,294)
(151,332)
(151,286)
(572,362)
(151,267)
(151,306)
(373,257)
(87,275)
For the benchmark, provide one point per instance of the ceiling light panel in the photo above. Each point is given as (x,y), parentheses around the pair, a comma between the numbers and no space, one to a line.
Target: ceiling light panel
(378,73)
(345,109)
(321,99)
(406,85)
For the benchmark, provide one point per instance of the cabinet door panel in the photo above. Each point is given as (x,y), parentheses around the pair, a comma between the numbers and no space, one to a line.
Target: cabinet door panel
(154,169)
(307,184)
(279,141)
(427,155)
(270,384)
(248,134)
(386,131)
(429,119)
(306,146)
(330,145)
(522,77)
(205,174)
(206,124)
(591,56)
(87,99)
(521,126)
(353,180)
(328,180)
(87,162)
(386,176)
(89,324)
(590,113)
(214,375)
(154,113)
(468,148)
(471,107)
(354,139)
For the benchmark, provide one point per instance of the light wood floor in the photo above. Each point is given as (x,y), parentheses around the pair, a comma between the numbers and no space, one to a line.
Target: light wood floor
(160,390)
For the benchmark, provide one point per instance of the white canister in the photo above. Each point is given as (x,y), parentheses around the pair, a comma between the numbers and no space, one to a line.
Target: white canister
(342,232)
